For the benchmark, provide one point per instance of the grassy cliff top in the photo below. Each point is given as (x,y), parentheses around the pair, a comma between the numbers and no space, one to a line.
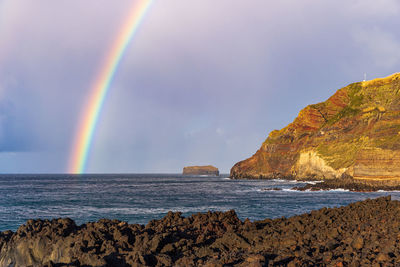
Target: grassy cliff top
(359,116)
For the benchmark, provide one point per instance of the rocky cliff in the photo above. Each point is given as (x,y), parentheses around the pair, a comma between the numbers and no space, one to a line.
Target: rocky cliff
(201,170)
(355,133)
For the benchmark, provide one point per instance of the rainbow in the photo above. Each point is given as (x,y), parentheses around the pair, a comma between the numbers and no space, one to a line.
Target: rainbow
(98,94)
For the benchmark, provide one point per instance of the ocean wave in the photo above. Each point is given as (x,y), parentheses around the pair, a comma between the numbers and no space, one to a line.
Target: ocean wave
(111,212)
(338,190)
(313,182)
(290,190)
(289,181)
(269,189)
(135,210)
(279,180)
(318,191)
(249,190)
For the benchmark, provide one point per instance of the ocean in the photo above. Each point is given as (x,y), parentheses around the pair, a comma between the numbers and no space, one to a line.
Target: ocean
(139,198)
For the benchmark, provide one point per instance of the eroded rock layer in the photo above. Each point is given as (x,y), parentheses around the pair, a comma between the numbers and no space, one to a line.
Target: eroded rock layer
(355,133)
(362,234)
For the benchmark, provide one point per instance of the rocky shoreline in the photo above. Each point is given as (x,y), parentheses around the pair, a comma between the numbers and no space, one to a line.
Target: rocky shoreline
(348,184)
(364,233)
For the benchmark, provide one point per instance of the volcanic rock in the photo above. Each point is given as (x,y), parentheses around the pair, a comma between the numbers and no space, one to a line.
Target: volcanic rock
(350,184)
(201,170)
(353,134)
(364,233)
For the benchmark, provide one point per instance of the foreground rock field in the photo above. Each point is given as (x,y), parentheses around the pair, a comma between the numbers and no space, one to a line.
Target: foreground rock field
(365,233)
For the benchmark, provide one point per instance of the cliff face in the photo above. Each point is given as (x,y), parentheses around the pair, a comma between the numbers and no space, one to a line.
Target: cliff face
(201,170)
(355,133)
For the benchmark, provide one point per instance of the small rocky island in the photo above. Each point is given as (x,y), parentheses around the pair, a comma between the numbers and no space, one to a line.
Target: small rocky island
(201,170)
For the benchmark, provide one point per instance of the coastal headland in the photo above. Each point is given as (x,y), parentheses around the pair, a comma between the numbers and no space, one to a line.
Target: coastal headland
(361,234)
(355,134)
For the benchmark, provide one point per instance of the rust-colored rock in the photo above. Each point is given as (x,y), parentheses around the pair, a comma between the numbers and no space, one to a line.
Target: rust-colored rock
(354,134)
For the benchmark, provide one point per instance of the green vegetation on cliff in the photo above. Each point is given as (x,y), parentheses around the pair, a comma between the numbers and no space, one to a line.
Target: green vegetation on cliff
(361,116)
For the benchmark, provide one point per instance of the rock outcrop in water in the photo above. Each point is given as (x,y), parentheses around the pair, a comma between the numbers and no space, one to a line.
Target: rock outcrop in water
(355,133)
(349,184)
(201,170)
(362,234)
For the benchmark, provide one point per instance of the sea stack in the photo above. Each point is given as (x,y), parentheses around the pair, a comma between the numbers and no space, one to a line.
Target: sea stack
(201,170)
(354,134)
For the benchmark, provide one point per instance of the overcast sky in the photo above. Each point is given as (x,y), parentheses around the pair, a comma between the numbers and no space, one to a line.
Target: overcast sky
(203,82)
